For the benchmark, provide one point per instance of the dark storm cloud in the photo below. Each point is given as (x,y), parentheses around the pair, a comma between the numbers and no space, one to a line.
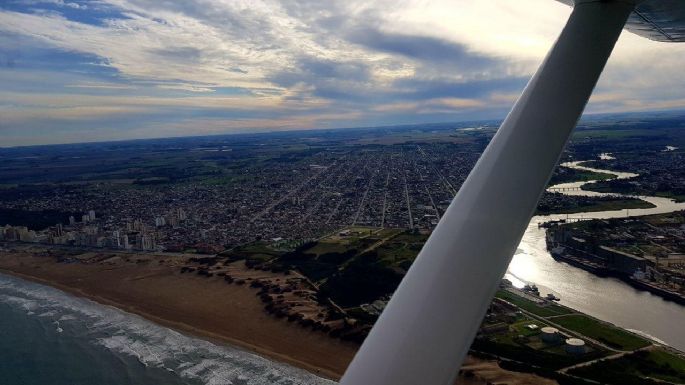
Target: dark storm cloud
(353,81)
(325,78)
(349,81)
(422,48)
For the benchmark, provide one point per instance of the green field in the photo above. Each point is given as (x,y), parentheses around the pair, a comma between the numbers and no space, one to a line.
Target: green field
(664,359)
(395,253)
(257,248)
(600,205)
(520,328)
(530,306)
(565,174)
(323,247)
(657,364)
(602,332)
(599,133)
(546,359)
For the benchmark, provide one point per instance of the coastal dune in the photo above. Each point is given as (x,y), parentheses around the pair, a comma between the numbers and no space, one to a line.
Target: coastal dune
(206,307)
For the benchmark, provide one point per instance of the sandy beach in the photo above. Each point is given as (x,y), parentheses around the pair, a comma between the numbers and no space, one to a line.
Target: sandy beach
(207,307)
(154,288)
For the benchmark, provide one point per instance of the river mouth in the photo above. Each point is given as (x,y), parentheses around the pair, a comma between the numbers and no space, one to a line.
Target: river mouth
(608,299)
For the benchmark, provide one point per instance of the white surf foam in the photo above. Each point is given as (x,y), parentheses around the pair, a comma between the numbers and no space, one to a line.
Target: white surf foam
(151,344)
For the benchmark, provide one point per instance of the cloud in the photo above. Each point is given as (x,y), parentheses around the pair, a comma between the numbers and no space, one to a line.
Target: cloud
(425,49)
(416,88)
(127,66)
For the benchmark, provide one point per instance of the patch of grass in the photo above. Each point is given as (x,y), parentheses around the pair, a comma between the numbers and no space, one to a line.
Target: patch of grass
(362,230)
(388,233)
(257,248)
(637,368)
(530,306)
(255,252)
(599,205)
(612,133)
(531,356)
(259,257)
(363,280)
(625,186)
(671,195)
(521,327)
(396,252)
(408,237)
(666,360)
(602,332)
(565,174)
(324,247)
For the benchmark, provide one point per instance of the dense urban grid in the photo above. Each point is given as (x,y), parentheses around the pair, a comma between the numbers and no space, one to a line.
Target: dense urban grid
(398,187)
(207,194)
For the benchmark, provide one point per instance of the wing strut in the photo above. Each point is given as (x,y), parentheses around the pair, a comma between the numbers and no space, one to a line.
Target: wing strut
(424,333)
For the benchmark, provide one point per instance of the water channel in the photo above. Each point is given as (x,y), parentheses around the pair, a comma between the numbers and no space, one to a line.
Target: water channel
(608,299)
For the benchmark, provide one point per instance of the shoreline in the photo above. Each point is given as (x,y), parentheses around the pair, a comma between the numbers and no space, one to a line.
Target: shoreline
(182,327)
(256,331)
(206,308)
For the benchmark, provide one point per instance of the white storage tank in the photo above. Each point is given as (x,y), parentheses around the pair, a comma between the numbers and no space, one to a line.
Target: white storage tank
(550,334)
(575,346)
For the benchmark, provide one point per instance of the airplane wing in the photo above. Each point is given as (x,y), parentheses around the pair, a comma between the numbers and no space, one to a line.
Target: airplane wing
(425,331)
(659,20)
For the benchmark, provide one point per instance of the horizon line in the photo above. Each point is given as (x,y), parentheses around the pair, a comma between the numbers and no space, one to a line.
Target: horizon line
(275,131)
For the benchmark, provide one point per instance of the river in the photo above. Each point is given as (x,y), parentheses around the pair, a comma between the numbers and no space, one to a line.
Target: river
(608,299)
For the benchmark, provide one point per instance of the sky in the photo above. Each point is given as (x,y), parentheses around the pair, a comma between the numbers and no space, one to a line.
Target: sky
(78,71)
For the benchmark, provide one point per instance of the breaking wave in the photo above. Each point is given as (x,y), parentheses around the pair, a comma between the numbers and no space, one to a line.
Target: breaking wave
(154,346)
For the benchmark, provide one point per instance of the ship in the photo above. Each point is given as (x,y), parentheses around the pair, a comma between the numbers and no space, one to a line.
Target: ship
(531,289)
(552,297)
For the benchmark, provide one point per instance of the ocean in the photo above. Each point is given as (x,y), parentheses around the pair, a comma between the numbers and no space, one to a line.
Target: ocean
(50,337)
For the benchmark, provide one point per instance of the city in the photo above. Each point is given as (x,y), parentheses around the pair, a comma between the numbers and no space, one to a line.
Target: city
(195,196)
(320,191)
(322,230)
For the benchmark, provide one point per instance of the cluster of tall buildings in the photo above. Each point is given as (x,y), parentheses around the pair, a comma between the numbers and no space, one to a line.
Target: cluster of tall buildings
(172,219)
(92,231)
(17,233)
